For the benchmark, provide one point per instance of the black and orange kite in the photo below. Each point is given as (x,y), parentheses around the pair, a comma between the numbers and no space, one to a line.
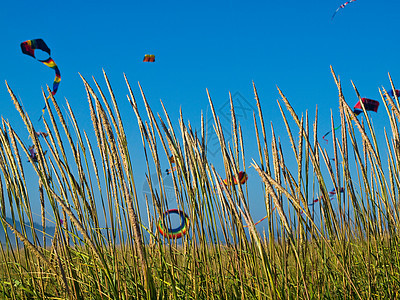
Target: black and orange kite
(149,58)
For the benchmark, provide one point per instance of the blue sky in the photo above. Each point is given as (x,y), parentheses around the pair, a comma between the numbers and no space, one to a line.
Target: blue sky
(219,45)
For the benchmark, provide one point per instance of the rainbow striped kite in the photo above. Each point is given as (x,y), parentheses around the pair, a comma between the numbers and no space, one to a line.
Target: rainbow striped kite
(173,233)
(29,47)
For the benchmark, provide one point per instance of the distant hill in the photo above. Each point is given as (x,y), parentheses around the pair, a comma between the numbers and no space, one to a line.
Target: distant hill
(39,232)
(51,229)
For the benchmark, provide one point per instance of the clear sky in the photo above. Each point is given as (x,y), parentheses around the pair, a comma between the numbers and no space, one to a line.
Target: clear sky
(219,45)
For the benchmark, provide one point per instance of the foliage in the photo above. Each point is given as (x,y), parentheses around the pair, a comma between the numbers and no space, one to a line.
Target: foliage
(352,251)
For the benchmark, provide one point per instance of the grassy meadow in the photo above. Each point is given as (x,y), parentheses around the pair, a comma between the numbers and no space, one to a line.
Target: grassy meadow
(104,247)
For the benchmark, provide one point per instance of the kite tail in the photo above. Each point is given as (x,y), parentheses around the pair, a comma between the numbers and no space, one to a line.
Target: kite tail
(51,64)
(342,6)
(329,133)
(57,81)
(259,221)
(334,14)
(326,135)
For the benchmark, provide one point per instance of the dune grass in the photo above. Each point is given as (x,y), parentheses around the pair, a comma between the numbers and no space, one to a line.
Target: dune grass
(350,251)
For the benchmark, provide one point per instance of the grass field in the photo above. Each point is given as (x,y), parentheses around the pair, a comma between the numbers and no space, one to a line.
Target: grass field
(350,252)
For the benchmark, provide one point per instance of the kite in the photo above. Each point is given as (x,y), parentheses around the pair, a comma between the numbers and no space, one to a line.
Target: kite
(369,105)
(333,192)
(33,154)
(169,171)
(29,47)
(42,134)
(392,93)
(242,179)
(172,161)
(149,58)
(174,233)
(342,6)
(331,195)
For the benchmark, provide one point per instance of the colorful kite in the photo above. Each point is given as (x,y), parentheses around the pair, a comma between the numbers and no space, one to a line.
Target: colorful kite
(149,58)
(169,171)
(331,195)
(173,233)
(333,192)
(29,47)
(392,93)
(369,104)
(32,154)
(41,133)
(242,179)
(172,161)
(342,6)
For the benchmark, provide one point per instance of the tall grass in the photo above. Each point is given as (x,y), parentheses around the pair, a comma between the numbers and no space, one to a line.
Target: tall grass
(103,247)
